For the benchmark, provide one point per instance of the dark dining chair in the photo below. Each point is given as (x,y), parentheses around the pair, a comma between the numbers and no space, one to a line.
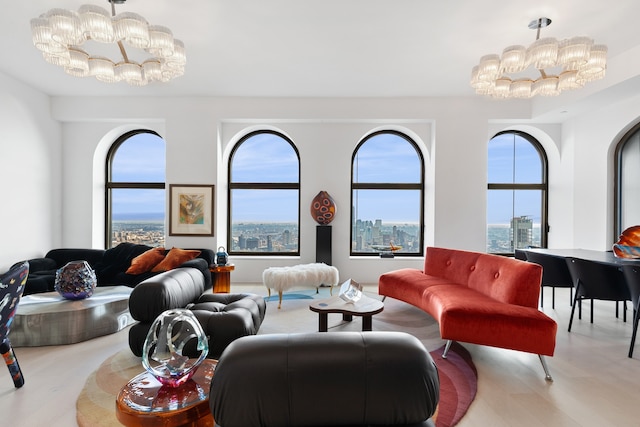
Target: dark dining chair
(11,288)
(555,274)
(594,280)
(632,276)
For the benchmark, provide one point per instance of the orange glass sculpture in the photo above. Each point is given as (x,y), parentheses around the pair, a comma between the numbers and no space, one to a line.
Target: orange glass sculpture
(323,208)
(628,245)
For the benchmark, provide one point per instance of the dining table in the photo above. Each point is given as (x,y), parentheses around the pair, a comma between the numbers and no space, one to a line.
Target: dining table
(604,257)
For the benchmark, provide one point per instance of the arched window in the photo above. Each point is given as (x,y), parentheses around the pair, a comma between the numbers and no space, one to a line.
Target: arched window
(135,190)
(264,195)
(387,195)
(517,193)
(627,206)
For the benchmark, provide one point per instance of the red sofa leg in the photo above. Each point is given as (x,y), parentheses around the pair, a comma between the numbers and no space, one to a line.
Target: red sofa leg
(547,375)
(446,349)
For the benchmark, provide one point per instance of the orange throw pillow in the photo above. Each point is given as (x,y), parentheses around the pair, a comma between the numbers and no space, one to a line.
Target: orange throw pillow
(174,258)
(146,261)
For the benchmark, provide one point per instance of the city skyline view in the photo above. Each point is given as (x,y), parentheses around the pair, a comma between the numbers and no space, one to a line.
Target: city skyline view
(267,157)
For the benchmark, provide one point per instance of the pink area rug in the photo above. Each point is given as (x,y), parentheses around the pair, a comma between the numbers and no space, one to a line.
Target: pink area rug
(458,384)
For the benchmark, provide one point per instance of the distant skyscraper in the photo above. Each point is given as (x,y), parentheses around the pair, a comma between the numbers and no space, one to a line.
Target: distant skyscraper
(521,232)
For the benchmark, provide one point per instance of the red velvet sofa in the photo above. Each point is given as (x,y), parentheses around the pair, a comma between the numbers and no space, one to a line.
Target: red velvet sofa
(478,298)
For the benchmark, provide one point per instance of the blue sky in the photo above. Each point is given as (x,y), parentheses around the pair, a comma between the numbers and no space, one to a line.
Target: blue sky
(383,158)
(140,158)
(512,159)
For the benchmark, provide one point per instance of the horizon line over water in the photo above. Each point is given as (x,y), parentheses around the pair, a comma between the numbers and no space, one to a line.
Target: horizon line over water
(145,216)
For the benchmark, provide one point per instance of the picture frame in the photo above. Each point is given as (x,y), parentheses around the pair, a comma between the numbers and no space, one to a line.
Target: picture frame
(191,209)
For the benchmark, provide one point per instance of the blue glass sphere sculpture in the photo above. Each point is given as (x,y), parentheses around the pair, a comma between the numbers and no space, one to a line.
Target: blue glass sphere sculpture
(76,280)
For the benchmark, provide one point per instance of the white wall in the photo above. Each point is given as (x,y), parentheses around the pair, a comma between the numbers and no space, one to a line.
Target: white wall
(30,209)
(593,137)
(453,133)
(200,133)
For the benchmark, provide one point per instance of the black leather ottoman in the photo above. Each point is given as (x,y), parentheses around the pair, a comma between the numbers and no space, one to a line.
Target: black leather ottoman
(316,379)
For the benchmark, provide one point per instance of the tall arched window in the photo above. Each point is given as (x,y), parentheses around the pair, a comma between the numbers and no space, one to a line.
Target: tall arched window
(387,195)
(135,190)
(627,206)
(264,195)
(517,193)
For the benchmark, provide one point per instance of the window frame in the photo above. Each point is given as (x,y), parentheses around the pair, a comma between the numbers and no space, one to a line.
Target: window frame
(617,193)
(544,186)
(260,186)
(389,186)
(110,185)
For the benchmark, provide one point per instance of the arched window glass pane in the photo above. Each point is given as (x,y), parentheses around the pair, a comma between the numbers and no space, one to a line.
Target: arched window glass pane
(630,182)
(387,196)
(136,199)
(512,159)
(264,196)
(141,158)
(265,157)
(387,157)
(517,193)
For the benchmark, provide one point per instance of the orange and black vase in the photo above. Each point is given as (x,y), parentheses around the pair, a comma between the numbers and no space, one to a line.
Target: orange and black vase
(323,208)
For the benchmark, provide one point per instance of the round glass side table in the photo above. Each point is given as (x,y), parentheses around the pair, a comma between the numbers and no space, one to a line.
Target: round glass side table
(145,402)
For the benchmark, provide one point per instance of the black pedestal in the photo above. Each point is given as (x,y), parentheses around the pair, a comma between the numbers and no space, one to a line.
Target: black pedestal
(323,244)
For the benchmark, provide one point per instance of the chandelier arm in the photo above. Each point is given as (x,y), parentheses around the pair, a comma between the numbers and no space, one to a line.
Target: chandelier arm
(123,52)
(542,73)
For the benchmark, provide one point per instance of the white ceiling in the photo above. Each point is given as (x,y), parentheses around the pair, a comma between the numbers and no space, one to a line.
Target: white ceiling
(305,48)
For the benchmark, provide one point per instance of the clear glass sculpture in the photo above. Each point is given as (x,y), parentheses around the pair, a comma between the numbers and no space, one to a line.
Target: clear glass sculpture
(174,348)
(351,291)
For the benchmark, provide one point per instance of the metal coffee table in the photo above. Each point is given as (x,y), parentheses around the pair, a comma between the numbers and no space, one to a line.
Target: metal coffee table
(49,319)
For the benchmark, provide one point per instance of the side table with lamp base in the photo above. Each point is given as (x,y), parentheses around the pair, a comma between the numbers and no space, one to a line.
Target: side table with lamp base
(221,277)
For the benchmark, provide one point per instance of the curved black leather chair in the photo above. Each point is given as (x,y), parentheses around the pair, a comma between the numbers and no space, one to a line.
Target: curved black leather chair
(555,274)
(223,317)
(632,277)
(596,280)
(321,379)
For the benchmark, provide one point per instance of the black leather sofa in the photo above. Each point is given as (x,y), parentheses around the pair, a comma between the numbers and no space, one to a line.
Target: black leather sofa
(325,379)
(110,266)
(223,317)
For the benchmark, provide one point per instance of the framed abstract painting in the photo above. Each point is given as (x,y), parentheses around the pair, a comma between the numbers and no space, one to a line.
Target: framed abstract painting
(191,210)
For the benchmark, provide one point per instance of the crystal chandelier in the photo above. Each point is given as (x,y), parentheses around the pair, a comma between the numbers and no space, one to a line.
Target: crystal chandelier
(60,33)
(562,65)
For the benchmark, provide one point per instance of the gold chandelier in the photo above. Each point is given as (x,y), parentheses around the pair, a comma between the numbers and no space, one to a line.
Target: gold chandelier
(60,33)
(562,65)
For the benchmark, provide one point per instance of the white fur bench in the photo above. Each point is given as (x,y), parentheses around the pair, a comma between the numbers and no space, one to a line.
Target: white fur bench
(303,275)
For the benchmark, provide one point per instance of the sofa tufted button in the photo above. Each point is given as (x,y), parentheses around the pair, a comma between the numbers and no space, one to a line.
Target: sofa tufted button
(496,275)
(472,268)
(448,262)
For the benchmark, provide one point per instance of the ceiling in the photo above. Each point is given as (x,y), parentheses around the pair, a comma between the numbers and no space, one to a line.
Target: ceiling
(329,48)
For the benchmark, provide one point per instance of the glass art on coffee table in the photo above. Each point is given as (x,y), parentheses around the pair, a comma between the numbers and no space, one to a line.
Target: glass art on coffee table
(351,291)
(174,336)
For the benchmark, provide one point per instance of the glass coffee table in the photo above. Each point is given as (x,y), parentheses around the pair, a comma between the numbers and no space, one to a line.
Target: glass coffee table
(365,307)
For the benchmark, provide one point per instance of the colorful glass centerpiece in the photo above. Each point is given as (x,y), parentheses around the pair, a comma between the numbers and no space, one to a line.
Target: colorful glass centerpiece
(628,245)
(175,336)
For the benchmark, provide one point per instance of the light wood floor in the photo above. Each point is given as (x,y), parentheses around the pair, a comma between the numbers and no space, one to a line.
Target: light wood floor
(595,384)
